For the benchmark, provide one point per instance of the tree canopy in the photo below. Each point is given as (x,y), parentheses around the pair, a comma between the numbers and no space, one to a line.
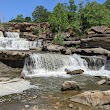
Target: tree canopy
(19,18)
(70,15)
(58,18)
(40,14)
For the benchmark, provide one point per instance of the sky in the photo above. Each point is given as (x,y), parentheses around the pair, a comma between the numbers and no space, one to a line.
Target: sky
(9,9)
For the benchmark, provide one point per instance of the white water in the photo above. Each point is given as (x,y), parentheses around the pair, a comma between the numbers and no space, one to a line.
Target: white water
(11,41)
(1,34)
(14,86)
(12,34)
(54,65)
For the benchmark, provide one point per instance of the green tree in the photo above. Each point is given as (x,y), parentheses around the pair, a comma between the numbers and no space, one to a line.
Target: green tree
(59,18)
(40,14)
(107,4)
(19,18)
(28,19)
(93,14)
(72,15)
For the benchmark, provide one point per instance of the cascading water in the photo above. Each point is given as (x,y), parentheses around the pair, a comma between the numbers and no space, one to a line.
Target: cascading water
(94,62)
(55,64)
(11,41)
(1,34)
(12,34)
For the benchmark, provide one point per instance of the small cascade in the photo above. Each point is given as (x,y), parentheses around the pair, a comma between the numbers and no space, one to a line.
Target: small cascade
(11,41)
(1,34)
(11,34)
(52,64)
(55,64)
(107,64)
(94,63)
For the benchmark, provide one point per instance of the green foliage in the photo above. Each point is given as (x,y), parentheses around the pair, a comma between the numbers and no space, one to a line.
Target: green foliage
(36,31)
(28,19)
(93,14)
(59,39)
(59,19)
(107,4)
(77,17)
(71,10)
(19,18)
(40,14)
(77,46)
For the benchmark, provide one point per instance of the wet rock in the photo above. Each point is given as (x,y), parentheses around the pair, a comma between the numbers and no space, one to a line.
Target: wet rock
(108,82)
(26,106)
(93,98)
(108,78)
(67,70)
(22,75)
(75,72)
(71,105)
(70,85)
(103,81)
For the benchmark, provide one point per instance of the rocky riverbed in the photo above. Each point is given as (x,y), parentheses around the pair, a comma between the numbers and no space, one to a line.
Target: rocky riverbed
(47,94)
(44,92)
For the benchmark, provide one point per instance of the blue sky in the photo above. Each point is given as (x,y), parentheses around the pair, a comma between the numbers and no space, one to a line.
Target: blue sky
(11,8)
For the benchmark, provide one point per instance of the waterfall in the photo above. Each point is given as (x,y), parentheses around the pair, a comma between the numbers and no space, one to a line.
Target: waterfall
(94,62)
(1,34)
(55,64)
(11,41)
(11,34)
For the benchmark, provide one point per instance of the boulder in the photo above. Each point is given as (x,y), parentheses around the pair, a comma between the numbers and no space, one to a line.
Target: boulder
(99,29)
(75,72)
(54,48)
(70,85)
(101,82)
(92,98)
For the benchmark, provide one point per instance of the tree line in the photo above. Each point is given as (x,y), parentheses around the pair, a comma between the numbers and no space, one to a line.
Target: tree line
(70,15)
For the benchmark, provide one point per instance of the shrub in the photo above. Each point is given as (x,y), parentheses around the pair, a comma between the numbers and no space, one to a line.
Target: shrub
(59,39)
